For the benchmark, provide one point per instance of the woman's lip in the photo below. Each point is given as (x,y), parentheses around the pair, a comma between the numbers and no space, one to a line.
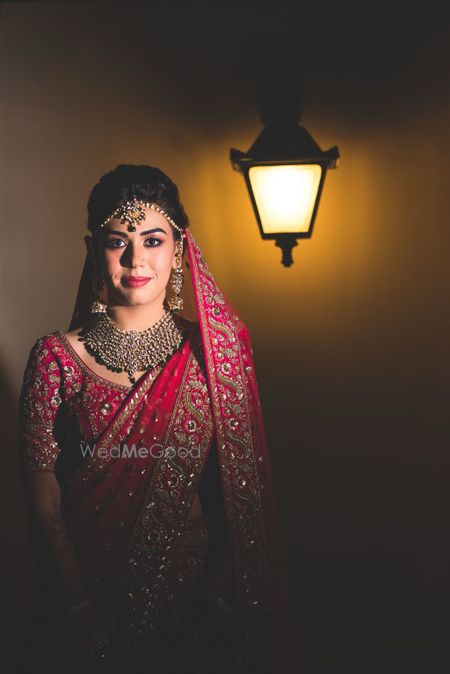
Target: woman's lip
(136,281)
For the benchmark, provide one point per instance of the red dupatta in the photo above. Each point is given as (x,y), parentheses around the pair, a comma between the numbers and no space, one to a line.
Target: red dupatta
(214,395)
(246,476)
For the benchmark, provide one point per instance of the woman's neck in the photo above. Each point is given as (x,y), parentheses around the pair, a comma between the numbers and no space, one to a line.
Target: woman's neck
(136,317)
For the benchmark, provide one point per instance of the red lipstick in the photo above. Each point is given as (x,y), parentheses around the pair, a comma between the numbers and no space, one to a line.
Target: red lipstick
(135,281)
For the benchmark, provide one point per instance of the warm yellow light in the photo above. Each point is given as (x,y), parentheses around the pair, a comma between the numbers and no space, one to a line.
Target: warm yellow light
(285,196)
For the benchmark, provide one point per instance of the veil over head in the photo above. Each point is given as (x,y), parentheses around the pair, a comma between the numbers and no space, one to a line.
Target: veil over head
(246,478)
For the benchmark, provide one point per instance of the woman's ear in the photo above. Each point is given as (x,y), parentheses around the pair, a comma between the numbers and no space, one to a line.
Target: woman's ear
(176,254)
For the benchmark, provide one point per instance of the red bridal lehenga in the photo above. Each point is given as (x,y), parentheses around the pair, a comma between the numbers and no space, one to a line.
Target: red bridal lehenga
(147,567)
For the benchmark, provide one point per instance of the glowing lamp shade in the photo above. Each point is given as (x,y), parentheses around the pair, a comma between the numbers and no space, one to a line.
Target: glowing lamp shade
(284,172)
(285,196)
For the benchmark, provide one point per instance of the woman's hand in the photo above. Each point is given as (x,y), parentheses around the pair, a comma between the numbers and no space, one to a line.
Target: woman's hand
(45,494)
(89,639)
(82,623)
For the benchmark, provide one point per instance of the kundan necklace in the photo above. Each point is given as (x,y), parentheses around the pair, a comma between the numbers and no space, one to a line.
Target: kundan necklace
(131,350)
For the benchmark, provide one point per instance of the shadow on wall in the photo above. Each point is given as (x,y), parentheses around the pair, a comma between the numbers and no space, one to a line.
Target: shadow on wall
(20,577)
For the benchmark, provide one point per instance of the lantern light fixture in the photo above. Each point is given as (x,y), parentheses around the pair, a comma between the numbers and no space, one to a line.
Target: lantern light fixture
(284,171)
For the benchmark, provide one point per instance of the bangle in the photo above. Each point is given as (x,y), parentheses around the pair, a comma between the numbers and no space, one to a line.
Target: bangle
(77,607)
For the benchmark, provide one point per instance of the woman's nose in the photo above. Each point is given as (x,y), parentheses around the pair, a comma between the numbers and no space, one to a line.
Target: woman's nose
(136,255)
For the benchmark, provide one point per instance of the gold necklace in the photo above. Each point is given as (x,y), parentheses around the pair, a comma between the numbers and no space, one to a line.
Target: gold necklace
(132,351)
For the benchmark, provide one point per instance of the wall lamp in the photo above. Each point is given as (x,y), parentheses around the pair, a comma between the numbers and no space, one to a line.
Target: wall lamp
(284,171)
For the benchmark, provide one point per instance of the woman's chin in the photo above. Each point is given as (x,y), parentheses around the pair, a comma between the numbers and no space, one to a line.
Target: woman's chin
(140,302)
(134,299)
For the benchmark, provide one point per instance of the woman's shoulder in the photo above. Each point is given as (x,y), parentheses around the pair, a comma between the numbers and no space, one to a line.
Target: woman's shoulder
(44,364)
(47,341)
(48,348)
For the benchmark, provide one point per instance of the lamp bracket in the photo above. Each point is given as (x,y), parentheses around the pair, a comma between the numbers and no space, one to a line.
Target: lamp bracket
(286,242)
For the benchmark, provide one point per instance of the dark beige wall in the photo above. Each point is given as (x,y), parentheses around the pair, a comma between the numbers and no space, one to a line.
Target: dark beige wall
(350,343)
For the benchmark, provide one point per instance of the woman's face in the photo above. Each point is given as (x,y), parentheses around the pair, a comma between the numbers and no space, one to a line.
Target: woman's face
(136,265)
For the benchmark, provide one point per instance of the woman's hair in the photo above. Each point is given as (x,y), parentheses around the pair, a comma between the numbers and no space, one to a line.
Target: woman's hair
(126,181)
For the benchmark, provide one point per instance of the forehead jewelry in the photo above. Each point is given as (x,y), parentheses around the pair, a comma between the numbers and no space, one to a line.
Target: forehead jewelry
(132,212)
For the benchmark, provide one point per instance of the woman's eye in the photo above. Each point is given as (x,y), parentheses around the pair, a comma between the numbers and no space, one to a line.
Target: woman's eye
(154,239)
(150,242)
(115,243)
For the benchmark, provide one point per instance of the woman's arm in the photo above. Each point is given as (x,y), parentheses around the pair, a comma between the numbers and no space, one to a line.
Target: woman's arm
(45,494)
(83,622)
(40,400)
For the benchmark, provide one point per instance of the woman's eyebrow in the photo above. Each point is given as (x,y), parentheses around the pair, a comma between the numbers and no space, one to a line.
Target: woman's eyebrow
(147,231)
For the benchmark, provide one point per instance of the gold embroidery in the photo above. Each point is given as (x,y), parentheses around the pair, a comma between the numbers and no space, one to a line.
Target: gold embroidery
(87,371)
(247,532)
(146,590)
(39,402)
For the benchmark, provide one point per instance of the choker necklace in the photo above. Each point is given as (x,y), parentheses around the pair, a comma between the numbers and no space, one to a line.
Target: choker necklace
(132,350)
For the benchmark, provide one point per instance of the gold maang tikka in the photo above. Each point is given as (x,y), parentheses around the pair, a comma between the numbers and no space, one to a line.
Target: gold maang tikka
(132,212)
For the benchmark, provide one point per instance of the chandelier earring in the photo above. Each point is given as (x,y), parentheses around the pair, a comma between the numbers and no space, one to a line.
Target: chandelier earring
(98,306)
(176,281)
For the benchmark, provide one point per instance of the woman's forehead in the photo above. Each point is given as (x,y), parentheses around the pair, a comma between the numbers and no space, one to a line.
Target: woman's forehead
(152,220)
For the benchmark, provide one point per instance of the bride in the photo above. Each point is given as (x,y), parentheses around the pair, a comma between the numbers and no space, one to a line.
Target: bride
(146,466)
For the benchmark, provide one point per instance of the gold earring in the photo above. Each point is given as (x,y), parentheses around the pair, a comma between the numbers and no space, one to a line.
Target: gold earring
(176,281)
(98,306)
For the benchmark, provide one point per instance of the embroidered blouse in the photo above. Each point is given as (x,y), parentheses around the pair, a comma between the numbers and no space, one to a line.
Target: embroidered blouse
(62,402)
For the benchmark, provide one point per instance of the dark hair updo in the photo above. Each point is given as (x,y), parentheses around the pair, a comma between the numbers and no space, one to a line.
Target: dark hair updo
(126,181)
